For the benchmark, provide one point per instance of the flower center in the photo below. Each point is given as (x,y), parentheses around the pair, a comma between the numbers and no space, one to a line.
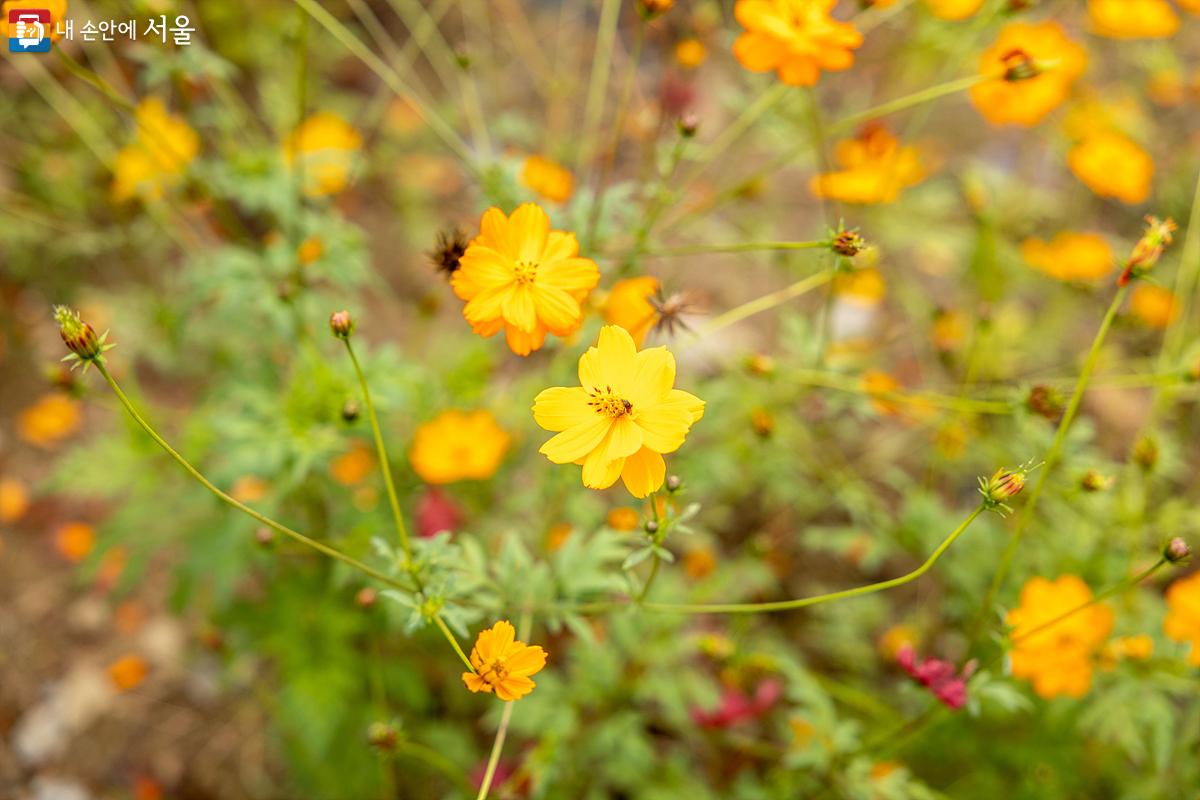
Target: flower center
(495,673)
(526,271)
(606,402)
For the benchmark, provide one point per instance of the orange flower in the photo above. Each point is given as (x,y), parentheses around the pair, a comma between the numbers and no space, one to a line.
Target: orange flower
(1058,660)
(51,419)
(690,53)
(127,672)
(457,446)
(877,385)
(249,489)
(522,277)
(628,305)
(875,168)
(953,10)
(1033,66)
(74,541)
(623,518)
(1132,19)
(354,465)
(323,151)
(796,39)
(699,563)
(503,664)
(1112,166)
(1070,256)
(1153,305)
(1183,614)
(310,250)
(862,286)
(549,179)
(14,500)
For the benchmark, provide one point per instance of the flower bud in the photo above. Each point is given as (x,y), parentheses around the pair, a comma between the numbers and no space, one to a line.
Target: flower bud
(341,324)
(350,411)
(79,337)
(382,736)
(651,527)
(1177,551)
(674,483)
(1145,453)
(1019,66)
(1045,401)
(365,598)
(1005,483)
(847,243)
(762,422)
(688,124)
(1147,251)
(264,536)
(1093,481)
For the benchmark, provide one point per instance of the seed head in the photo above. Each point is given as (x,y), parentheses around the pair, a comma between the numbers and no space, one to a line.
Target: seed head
(1046,401)
(688,124)
(674,483)
(451,247)
(341,324)
(847,243)
(350,411)
(1093,481)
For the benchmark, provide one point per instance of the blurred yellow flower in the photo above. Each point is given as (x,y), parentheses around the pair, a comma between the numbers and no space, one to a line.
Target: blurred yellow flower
(354,465)
(163,147)
(865,286)
(699,563)
(57,9)
(127,672)
(549,179)
(1153,305)
(458,446)
(622,419)
(877,385)
(796,39)
(503,663)
(628,305)
(1070,256)
(1034,66)
(558,535)
(623,518)
(1058,660)
(522,277)
(1129,648)
(949,329)
(690,53)
(323,150)
(14,500)
(1132,19)
(48,421)
(896,638)
(953,9)
(1182,623)
(249,489)
(1112,166)
(310,250)
(875,168)
(75,541)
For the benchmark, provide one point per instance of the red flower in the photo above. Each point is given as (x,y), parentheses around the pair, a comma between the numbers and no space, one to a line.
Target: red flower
(736,706)
(436,512)
(941,677)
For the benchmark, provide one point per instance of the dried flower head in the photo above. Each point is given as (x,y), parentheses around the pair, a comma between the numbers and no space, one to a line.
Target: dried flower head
(451,245)
(1046,401)
(1149,249)
(670,310)
(341,324)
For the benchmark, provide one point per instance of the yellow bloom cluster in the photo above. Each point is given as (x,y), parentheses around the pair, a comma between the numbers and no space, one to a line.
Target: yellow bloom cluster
(322,150)
(1060,659)
(1051,61)
(457,445)
(874,168)
(1183,614)
(163,147)
(795,39)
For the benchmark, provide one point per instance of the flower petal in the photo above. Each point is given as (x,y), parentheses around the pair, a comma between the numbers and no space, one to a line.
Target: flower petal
(475,683)
(514,688)
(523,343)
(528,229)
(664,426)
(559,245)
(601,474)
(610,362)
(556,309)
(493,229)
(624,439)
(526,661)
(576,442)
(519,309)
(653,377)
(644,472)
(569,274)
(562,407)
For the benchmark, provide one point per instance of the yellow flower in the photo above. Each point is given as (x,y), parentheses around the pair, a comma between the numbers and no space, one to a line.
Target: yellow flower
(127,672)
(354,465)
(690,53)
(1058,660)
(14,500)
(249,489)
(51,419)
(520,276)
(949,329)
(953,9)
(1070,256)
(699,563)
(458,446)
(623,518)
(796,39)
(551,180)
(310,250)
(1112,166)
(896,638)
(1183,614)
(624,416)
(323,150)
(57,9)
(864,286)
(877,385)
(75,541)
(503,663)
(1132,19)
(1153,305)
(1015,96)
(628,305)
(1132,648)
(875,168)
(163,147)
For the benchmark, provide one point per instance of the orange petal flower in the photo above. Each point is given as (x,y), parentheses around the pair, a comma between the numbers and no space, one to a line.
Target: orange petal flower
(796,39)
(1112,166)
(1132,19)
(628,305)
(1016,99)
(1060,659)
(503,663)
(1183,614)
(1070,256)
(456,446)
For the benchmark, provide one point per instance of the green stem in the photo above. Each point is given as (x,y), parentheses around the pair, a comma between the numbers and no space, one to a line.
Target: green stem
(737,247)
(270,523)
(768,301)
(381,449)
(610,15)
(497,746)
(909,100)
(739,126)
(453,640)
(803,602)
(659,534)
(1052,455)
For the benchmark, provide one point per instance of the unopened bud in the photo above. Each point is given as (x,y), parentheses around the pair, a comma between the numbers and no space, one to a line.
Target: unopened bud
(341,324)
(1145,453)
(1095,482)
(847,243)
(651,527)
(1005,483)
(1046,401)
(366,597)
(1177,551)
(264,536)
(762,422)
(760,364)
(652,8)
(350,411)
(1149,249)
(382,736)
(688,124)
(674,483)
(79,337)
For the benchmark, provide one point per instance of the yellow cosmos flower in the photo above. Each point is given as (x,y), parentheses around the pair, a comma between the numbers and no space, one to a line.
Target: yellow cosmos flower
(1070,256)
(953,10)
(623,418)
(522,277)
(57,9)
(353,466)
(1112,166)
(1016,99)
(864,286)
(14,500)
(1132,19)
(1183,614)
(458,446)
(690,53)
(875,168)
(323,148)
(503,663)
(1153,305)
(796,39)
(48,421)
(159,156)
(75,541)
(628,305)
(547,178)
(1058,660)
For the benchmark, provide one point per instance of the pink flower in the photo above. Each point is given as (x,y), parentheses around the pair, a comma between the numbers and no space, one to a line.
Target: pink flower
(436,512)
(736,706)
(941,677)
